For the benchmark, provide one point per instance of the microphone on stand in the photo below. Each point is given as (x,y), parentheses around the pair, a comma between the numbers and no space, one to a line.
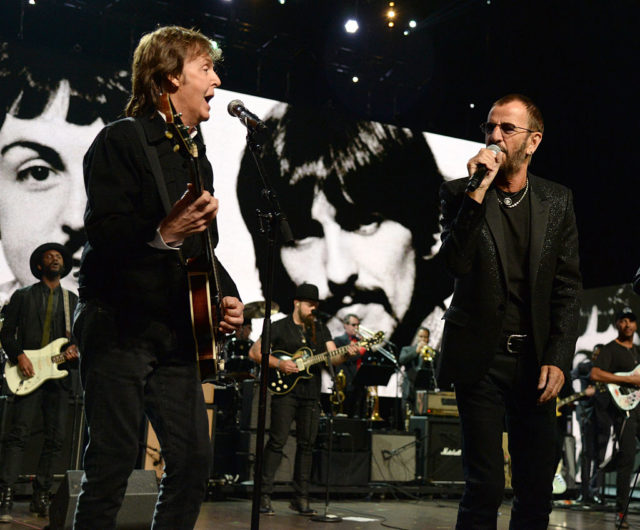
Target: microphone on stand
(237,109)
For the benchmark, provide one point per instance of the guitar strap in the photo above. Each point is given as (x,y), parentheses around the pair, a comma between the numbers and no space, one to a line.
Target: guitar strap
(67,313)
(156,169)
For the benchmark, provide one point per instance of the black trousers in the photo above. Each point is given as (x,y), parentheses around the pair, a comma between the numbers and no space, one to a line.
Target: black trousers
(51,400)
(123,383)
(284,409)
(627,431)
(506,397)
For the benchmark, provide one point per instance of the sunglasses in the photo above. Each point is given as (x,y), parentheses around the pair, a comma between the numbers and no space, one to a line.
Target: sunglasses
(506,128)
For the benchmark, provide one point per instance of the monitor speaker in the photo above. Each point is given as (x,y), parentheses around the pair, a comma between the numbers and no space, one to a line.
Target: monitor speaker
(135,513)
(393,457)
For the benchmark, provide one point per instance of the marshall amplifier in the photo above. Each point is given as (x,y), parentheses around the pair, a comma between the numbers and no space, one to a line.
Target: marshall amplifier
(438,449)
(442,403)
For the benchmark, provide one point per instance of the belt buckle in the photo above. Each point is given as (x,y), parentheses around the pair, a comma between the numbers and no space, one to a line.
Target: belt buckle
(509,342)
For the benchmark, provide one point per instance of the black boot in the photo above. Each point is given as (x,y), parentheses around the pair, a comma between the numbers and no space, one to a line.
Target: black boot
(6,504)
(40,503)
(265,505)
(301,505)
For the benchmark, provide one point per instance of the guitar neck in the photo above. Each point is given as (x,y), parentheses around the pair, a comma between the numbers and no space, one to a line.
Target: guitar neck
(572,397)
(323,357)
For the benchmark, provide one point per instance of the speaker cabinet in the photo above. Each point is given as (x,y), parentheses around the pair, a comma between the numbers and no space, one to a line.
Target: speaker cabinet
(393,457)
(349,435)
(345,468)
(246,457)
(250,403)
(136,511)
(439,448)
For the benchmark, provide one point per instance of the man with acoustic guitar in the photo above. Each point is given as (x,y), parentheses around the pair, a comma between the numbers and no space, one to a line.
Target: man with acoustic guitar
(617,358)
(300,401)
(151,228)
(35,316)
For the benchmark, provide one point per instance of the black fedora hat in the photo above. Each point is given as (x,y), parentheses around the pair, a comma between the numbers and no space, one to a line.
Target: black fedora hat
(307,291)
(36,259)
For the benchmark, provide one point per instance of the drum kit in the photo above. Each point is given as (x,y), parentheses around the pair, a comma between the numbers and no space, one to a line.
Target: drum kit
(238,366)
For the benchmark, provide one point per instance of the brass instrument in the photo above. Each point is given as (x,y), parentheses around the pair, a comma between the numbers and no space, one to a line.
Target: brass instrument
(337,396)
(374,403)
(427,353)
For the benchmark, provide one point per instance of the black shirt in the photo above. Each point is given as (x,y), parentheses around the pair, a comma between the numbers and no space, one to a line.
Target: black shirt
(614,358)
(287,336)
(516,224)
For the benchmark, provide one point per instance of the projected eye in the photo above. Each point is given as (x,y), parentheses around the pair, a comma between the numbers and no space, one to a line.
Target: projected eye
(39,173)
(301,244)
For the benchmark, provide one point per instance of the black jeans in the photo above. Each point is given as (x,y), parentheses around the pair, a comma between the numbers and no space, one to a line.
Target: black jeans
(284,409)
(52,401)
(507,392)
(122,383)
(627,431)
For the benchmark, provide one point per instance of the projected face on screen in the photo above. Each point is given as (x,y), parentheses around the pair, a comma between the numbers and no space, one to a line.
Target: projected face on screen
(362,202)
(50,112)
(42,194)
(356,268)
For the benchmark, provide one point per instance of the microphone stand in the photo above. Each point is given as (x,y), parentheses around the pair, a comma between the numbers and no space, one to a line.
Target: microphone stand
(271,222)
(327,517)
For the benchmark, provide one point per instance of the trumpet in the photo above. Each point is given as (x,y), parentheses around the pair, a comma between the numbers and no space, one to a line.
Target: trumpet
(427,353)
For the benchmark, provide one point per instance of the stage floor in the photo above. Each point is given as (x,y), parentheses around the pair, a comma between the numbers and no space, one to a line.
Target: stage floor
(361,515)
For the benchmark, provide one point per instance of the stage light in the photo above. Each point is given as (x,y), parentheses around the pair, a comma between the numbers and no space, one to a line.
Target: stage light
(472,105)
(412,23)
(281,2)
(32,2)
(391,13)
(406,32)
(390,23)
(355,79)
(351,26)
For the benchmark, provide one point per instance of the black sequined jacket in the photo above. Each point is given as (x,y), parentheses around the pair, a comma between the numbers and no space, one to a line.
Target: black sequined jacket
(473,246)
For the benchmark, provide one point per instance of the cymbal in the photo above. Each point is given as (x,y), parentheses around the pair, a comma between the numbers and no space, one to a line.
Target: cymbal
(258,309)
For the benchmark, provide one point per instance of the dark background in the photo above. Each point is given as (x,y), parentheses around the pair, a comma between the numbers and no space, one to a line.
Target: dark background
(577,59)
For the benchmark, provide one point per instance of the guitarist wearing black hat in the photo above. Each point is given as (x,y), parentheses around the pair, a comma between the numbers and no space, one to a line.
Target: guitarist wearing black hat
(301,402)
(35,316)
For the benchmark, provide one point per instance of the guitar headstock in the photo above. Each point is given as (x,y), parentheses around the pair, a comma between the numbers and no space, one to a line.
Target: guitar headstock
(174,122)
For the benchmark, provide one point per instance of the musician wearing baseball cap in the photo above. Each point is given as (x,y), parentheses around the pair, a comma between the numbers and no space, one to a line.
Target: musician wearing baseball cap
(617,364)
(35,317)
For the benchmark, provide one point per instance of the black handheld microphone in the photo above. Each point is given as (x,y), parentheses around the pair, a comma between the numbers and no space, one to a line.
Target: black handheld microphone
(477,177)
(249,119)
(321,315)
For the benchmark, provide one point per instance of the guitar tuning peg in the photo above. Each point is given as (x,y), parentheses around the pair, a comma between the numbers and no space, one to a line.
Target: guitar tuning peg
(168,134)
(176,148)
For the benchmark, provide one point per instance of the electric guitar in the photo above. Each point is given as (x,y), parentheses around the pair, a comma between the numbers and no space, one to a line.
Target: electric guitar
(45,363)
(203,275)
(573,397)
(281,383)
(626,397)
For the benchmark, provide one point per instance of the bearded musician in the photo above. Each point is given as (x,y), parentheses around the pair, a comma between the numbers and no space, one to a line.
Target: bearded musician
(299,329)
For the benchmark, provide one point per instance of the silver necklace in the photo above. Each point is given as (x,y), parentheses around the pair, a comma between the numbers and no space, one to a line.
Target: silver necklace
(508,202)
